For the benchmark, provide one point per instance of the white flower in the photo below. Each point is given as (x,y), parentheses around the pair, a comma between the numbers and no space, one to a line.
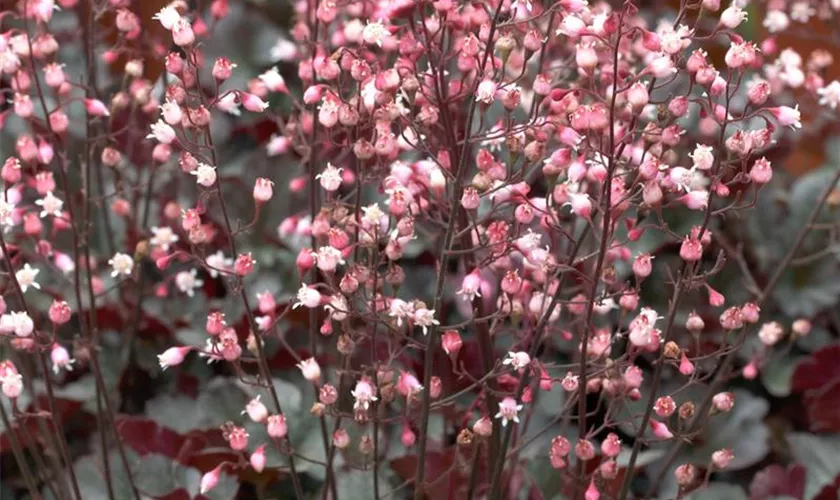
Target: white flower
(375,33)
(364,394)
(486,91)
(776,21)
(330,177)
(830,95)
(283,50)
(61,359)
(273,80)
(210,351)
(801,12)
(256,410)
(163,237)
(328,258)
(518,360)
(310,369)
(187,282)
(703,157)
(771,333)
(50,205)
(205,174)
(18,323)
(162,132)
(167,16)
(509,410)
(307,297)
(216,262)
(121,264)
(373,214)
(337,307)
(277,144)
(229,104)
(6,214)
(425,318)
(26,277)
(526,4)
(401,310)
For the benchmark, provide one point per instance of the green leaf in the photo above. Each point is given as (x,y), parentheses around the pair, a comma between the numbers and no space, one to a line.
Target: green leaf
(289,395)
(778,373)
(179,413)
(806,290)
(819,456)
(155,475)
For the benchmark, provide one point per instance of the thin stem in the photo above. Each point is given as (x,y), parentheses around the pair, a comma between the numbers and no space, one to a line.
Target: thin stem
(18,452)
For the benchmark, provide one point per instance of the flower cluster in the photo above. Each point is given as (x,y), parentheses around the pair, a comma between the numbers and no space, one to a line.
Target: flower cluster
(475,202)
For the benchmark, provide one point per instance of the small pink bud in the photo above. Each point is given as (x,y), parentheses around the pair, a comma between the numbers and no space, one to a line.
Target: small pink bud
(750,371)
(407,437)
(258,459)
(750,312)
(611,446)
(276,426)
(584,450)
(451,342)
(210,479)
(660,430)
(685,474)
(716,299)
(95,107)
(723,401)
(341,439)
(263,190)
(592,492)
(722,457)
(801,327)
(435,387)
(60,312)
(244,264)
(483,427)
(642,265)
(686,366)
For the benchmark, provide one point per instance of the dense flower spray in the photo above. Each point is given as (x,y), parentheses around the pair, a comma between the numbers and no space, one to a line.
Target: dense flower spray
(456,209)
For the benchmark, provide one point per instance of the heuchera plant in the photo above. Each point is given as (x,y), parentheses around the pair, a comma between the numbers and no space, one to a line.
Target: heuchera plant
(499,261)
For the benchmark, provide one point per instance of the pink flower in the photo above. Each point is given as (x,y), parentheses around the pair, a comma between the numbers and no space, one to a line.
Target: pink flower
(182,32)
(60,358)
(276,426)
(244,264)
(408,384)
(611,446)
(509,411)
(252,102)
(787,116)
(173,356)
(470,286)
